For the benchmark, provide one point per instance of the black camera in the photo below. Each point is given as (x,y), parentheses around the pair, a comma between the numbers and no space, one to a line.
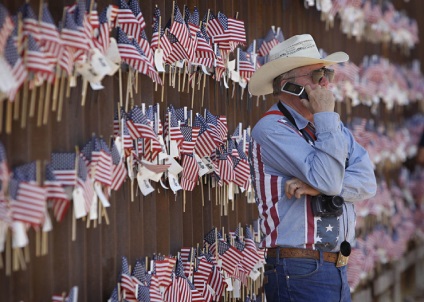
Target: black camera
(327,206)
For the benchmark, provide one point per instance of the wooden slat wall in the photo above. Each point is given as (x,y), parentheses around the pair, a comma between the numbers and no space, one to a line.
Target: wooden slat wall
(156,223)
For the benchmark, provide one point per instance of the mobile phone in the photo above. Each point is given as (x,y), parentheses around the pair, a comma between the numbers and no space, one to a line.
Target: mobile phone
(295,89)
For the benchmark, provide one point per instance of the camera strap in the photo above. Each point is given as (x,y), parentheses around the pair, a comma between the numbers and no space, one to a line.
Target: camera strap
(309,136)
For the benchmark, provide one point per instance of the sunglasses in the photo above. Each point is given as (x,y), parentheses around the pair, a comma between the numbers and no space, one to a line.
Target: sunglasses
(318,74)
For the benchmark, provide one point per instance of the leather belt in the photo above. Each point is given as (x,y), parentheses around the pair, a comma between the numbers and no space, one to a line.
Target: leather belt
(288,252)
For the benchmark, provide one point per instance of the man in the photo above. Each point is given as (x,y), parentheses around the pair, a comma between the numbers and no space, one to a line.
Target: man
(303,160)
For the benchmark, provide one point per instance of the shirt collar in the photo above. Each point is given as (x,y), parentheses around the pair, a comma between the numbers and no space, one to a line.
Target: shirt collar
(301,122)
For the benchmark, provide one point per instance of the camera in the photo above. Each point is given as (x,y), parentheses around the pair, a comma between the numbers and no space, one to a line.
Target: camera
(327,206)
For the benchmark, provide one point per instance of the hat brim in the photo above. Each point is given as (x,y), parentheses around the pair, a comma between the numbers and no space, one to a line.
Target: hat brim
(261,81)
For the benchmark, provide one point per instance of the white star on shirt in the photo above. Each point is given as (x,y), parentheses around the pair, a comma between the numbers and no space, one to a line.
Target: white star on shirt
(329,228)
(318,239)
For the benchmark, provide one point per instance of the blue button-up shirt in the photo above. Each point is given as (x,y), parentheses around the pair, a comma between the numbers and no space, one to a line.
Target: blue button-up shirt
(335,164)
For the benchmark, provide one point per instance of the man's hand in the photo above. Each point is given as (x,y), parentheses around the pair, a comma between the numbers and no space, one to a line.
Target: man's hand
(320,99)
(297,188)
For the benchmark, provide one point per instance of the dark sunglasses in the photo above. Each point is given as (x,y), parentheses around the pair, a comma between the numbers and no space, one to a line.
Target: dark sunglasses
(318,74)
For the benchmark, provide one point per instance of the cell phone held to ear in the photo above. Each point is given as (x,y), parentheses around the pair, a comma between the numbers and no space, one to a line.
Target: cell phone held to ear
(295,89)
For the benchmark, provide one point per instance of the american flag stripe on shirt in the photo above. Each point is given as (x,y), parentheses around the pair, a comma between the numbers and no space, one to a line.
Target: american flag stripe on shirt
(268,187)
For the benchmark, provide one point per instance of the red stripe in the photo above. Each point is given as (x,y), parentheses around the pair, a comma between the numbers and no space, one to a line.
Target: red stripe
(312,134)
(262,185)
(273,112)
(274,214)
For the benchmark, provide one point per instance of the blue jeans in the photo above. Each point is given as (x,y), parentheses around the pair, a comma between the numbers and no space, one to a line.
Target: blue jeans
(302,279)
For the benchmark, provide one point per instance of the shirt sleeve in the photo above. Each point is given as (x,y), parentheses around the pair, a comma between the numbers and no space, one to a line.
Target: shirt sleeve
(359,181)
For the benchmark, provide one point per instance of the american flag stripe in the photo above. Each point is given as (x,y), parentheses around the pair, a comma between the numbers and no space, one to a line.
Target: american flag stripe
(66,177)
(30,204)
(164,271)
(55,191)
(60,208)
(191,168)
(7,26)
(119,175)
(75,39)
(104,169)
(88,191)
(237,30)
(217,283)
(205,144)
(268,189)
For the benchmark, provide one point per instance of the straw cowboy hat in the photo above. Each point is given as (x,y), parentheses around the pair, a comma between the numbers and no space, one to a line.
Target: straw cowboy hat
(292,53)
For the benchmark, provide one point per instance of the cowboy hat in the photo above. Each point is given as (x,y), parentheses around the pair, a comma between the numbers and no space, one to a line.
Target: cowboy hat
(292,53)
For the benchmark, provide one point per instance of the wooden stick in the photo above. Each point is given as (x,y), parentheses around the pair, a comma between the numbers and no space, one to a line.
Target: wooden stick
(56,87)
(104,213)
(24,104)
(9,116)
(8,254)
(68,86)
(44,244)
(1,261)
(27,253)
(32,101)
(74,226)
(40,106)
(201,187)
(15,260)
(203,89)
(184,200)
(120,87)
(21,259)
(163,86)
(184,76)
(37,243)
(84,91)
(62,87)
(16,106)
(127,94)
(1,115)
(193,90)
(47,103)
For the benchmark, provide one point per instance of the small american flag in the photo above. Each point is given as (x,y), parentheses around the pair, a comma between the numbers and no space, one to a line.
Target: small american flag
(155,29)
(16,63)
(119,173)
(127,284)
(135,8)
(268,43)
(63,165)
(190,172)
(30,22)
(206,142)
(190,136)
(127,21)
(163,270)
(50,38)
(178,52)
(30,203)
(230,256)
(214,27)
(173,126)
(245,67)
(72,35)
(56,194)
(103,39)
(180,30)
(6,25)
(36,59)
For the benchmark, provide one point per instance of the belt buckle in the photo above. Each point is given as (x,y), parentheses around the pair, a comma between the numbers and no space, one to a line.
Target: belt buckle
(341,260)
